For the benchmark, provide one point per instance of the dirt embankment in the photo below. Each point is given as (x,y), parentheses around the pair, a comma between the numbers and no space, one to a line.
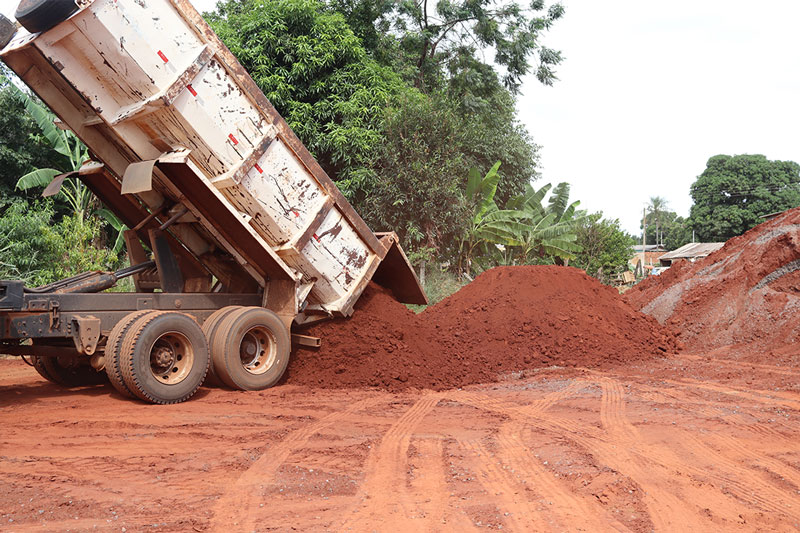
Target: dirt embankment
(744,298)
(509,319)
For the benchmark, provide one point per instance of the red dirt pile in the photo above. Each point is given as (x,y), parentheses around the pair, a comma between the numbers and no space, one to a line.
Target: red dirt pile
(744,298)
(509,319)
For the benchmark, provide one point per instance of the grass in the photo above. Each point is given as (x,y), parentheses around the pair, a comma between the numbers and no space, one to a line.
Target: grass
(438,286)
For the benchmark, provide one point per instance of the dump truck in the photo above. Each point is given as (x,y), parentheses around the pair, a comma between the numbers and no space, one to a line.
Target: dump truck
(236,234)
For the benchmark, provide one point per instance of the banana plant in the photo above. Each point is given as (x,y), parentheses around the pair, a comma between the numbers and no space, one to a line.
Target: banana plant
(526,229)
(480,194)
(66,143)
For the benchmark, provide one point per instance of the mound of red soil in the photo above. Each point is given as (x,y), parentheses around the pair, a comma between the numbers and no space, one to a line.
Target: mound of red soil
(509,319)
(532,316)
(382,345)
(745,295)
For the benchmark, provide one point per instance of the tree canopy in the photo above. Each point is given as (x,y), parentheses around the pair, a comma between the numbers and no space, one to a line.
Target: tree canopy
(605,247)
(318,75)
(22,145)
(734,191)
(339,73)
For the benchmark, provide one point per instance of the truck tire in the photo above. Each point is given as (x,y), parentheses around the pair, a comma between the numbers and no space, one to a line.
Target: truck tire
(113,348)
(210,328)
(66,374)
(40,15)
(250,350)
(164,357)
(7,31)
(38,365)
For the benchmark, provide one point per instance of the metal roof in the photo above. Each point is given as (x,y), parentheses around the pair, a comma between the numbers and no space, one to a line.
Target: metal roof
(693,250)
(648,248)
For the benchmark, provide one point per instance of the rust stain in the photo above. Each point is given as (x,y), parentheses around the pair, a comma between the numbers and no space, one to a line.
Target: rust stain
(333,232)
(356,259)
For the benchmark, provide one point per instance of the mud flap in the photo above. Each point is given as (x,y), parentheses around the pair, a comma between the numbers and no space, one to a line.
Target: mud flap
(396,273)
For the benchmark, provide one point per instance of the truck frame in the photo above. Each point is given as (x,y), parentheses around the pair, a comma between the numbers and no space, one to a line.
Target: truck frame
(236,232)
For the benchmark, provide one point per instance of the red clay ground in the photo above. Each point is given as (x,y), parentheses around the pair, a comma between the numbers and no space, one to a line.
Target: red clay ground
(684,443)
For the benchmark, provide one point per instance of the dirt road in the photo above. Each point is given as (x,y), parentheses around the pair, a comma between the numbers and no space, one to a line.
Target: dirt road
(691,443)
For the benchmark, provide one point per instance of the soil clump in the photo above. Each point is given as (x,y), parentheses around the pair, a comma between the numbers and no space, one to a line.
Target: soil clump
(510,319)
(743,299)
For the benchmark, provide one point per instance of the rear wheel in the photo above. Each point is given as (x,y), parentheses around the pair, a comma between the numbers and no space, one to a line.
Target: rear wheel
(210,327)
(67,373)
(38,365)
(164,357)
(250,349)
(113,347)
(41,15)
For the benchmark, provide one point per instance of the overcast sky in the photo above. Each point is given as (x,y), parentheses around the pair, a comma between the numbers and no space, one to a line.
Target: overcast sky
(649,91)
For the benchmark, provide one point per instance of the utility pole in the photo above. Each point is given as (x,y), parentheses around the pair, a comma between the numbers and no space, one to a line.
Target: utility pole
(644,233)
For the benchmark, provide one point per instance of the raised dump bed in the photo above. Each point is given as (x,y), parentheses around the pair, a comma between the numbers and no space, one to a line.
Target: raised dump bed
(192,156)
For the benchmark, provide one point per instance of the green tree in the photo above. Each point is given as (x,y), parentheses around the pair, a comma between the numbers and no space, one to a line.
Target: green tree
(435,41)
(677,233)
(734,191)
(64,143)
(38,250)
(317,74)
(395,34)
(605,247)
(656,211)
(673,231)
(22,146)
(419,169)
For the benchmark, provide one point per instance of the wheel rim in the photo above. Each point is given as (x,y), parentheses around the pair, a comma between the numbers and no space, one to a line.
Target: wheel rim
(171,358)
(258,350)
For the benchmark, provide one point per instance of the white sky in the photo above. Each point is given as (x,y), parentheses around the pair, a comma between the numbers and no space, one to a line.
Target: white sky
(649,91)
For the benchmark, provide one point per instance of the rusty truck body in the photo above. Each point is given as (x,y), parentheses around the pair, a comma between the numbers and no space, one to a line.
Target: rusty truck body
(236,232)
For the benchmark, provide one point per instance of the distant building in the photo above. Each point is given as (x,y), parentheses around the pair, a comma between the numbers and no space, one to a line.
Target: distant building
(651,254)
(690,252)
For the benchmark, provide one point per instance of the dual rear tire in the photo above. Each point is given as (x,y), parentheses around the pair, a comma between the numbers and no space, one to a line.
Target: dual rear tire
(164,356)
(250,348)
(157,356)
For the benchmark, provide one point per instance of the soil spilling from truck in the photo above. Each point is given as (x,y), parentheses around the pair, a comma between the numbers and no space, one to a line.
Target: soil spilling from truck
(508,320)
(743,299)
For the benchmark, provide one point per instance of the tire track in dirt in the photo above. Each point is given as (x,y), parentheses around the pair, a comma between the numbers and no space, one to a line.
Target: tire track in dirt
(730,477)
(667,511)
(762,493)
(771,398)
(653,459)
(717,410)
(571,510)
(505,491)
(384,496)
(238,505)
(744,365)
(613,414)
(429,480)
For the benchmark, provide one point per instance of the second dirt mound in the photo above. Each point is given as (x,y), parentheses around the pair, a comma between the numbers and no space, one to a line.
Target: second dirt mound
(743,298)
(509,319)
